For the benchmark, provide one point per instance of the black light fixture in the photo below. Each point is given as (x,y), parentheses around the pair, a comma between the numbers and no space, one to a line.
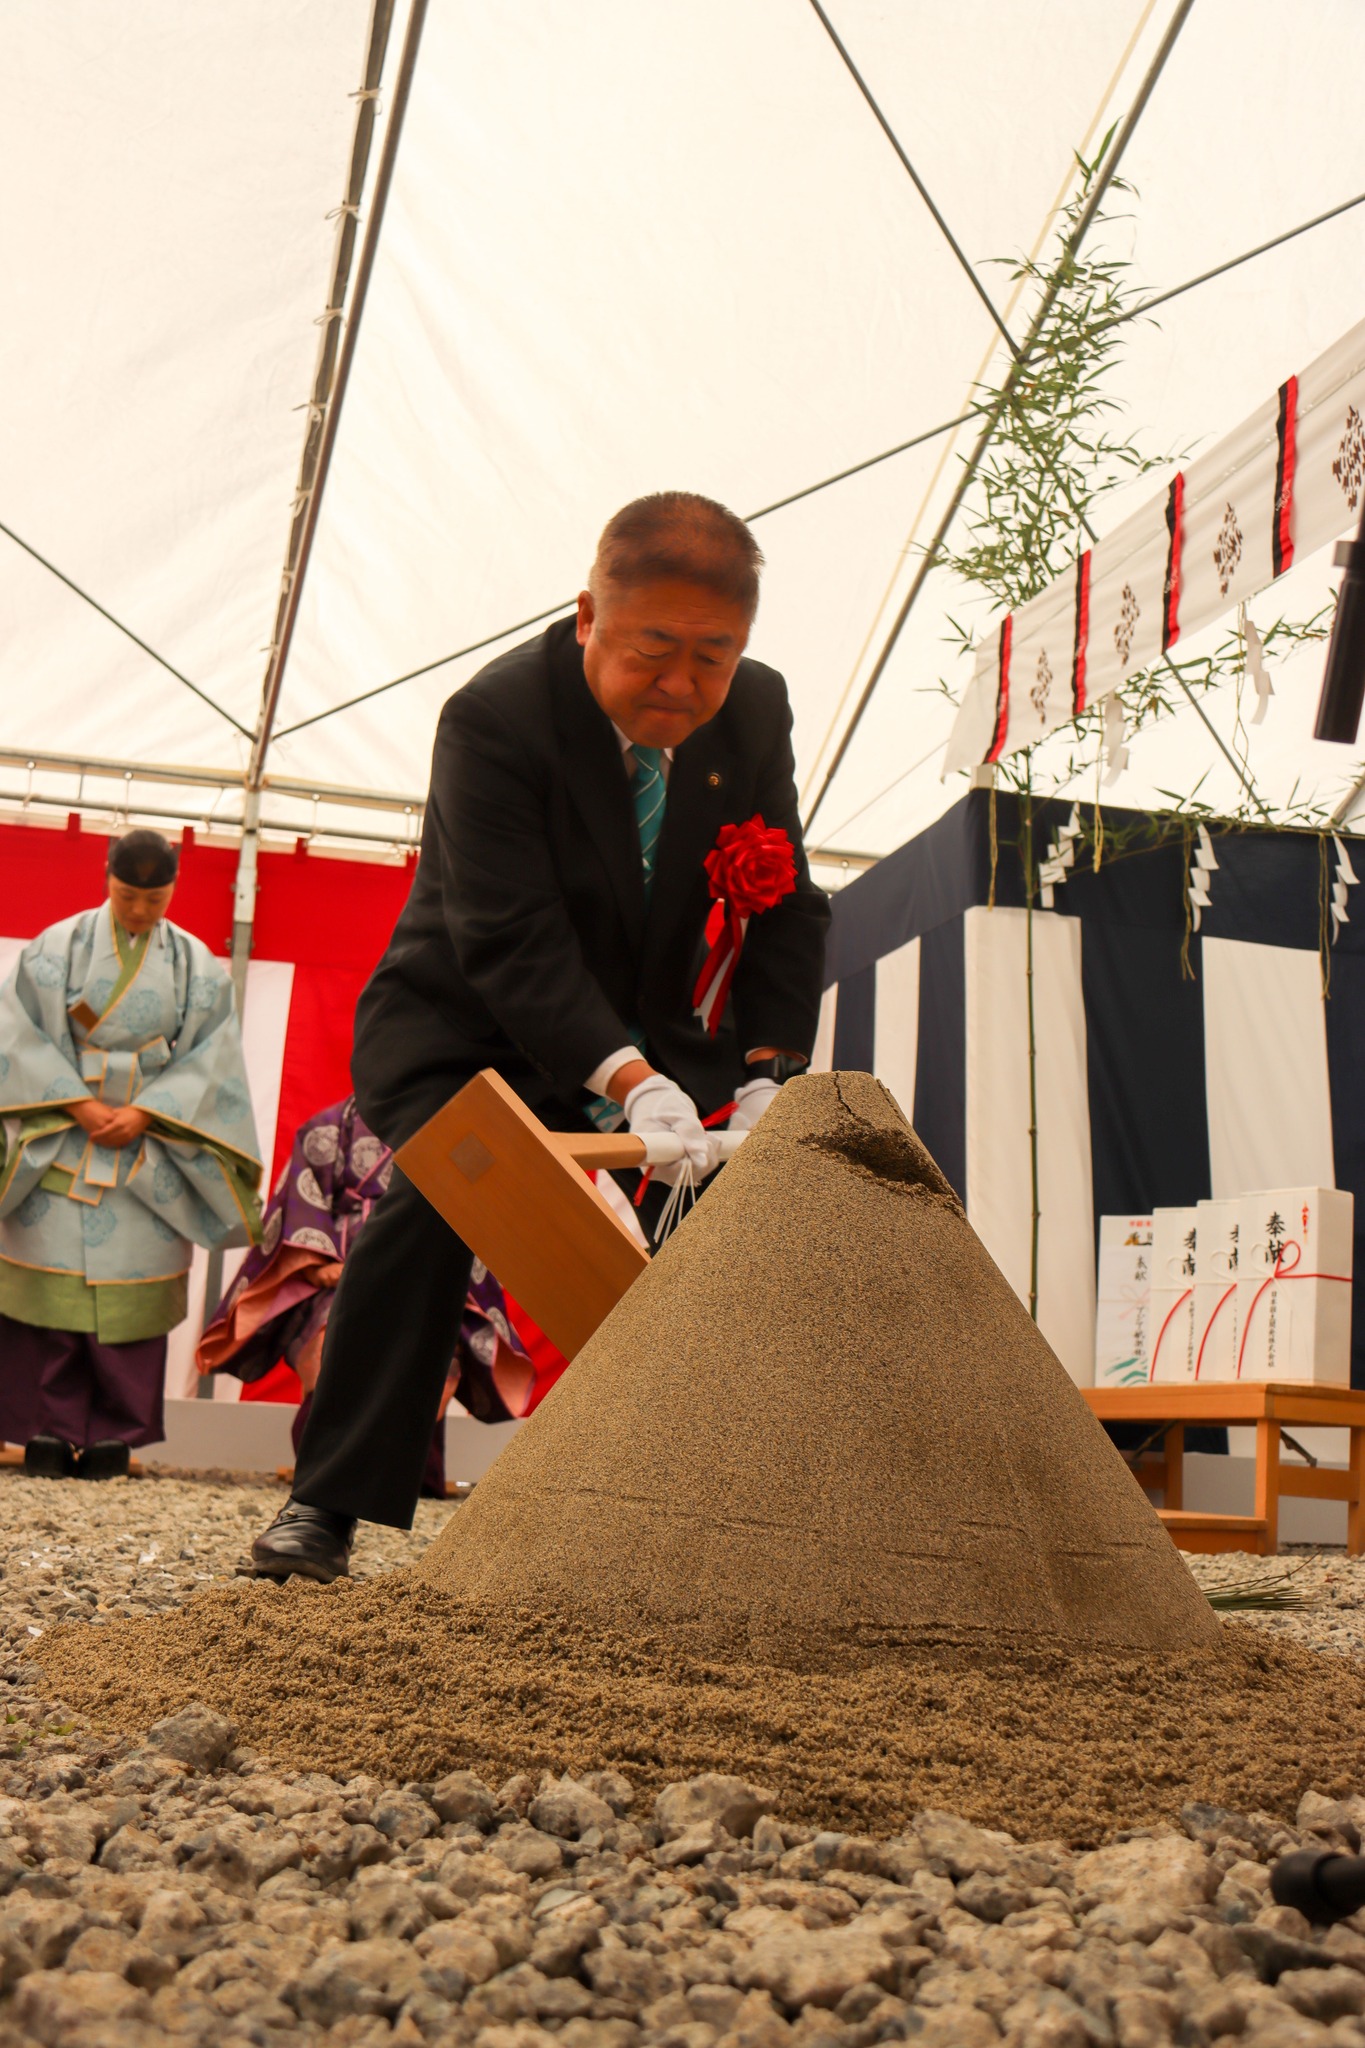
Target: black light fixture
(1343,679)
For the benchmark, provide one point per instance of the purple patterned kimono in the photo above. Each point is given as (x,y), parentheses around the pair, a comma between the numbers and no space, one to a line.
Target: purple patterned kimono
(278,1305)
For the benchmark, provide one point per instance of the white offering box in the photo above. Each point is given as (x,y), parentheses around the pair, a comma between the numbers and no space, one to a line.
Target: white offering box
(1294,1285)
(1215,1291)
(1123,1303)
(1174,1344)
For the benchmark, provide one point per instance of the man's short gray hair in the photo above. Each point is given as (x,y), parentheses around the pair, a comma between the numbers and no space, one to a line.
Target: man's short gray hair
(678,536)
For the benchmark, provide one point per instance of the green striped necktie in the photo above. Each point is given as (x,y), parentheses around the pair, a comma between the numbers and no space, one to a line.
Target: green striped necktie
(650,792)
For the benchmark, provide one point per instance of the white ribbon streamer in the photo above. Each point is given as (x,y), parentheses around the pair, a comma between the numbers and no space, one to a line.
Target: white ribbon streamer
(1257,670)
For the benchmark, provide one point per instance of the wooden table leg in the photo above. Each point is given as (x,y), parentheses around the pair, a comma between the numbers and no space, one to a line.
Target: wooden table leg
(1174,1493)
(1355,1508)
(1268,1483)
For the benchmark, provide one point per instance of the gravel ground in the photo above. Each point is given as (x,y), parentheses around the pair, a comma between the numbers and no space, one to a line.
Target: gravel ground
(173,1887)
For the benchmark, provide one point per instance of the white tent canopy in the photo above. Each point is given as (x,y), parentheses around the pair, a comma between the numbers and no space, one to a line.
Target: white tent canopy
(629,245)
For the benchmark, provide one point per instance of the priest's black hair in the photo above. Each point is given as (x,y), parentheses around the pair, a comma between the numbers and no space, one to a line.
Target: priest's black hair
(143,859)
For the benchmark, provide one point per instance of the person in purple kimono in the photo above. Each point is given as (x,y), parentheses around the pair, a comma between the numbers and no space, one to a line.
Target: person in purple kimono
(278,1305)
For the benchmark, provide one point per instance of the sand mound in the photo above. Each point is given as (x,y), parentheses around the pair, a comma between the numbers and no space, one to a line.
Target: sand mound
(817,1504)
(823,1417)
(392,1678)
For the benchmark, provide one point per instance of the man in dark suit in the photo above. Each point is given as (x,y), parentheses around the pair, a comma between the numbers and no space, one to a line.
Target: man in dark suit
(555,931)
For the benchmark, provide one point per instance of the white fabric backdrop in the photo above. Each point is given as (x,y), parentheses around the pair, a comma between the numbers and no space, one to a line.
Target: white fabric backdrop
(627,246)
(1265,1034)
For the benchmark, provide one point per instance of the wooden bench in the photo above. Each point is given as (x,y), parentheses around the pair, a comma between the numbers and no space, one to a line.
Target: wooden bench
(1269,1405)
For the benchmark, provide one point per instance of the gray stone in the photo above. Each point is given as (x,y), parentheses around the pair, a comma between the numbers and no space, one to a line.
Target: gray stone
(703,1838)
(133,1849)
(404,1818)
(990,1898)
(463,1796)
(961,1848)
(1143,2018)
(563,1998)
(516,1795)
(805,1968)
(559,1944)
(630,1976)
(519,2034)
(964,2026)
(511,1931)
(1326,1995)
(42,1930)
(715,2004)
(195,1736)
(144,1773)
(1329,1818)
(504,1999)
(392,1908)
(461,1954)
(100,1948)
(78,2011)
(63,1831)
(567,1808)
(599,2033)
(617,1790)
(1171,1867)
(527,1850)
(767,1838)
(732,1802)
(1272,1953)
(756,2024)
(1047,2018)
(359,1977)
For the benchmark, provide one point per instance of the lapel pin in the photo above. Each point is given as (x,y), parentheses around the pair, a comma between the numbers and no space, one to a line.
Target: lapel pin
(713,780)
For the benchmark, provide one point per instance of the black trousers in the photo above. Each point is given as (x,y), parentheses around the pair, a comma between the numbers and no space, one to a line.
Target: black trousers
(390,1340)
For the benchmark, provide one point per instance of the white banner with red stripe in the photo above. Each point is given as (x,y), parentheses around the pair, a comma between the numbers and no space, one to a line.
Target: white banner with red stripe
(1281,485)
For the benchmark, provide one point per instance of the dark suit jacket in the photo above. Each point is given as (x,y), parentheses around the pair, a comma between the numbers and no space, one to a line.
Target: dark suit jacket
(526,944)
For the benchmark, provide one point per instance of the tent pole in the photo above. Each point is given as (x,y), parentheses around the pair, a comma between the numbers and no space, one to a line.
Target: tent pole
(317,460)
(973,461)
(297,571)
(243,919)
(244,894)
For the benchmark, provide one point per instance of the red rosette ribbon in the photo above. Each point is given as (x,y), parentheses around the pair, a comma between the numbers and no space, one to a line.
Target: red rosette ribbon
(750,868)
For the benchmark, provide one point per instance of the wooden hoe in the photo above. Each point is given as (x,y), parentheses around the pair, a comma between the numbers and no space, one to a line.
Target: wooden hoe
(520,1197)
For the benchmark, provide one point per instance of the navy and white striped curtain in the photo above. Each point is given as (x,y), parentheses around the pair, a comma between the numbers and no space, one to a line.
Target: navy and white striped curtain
(1153,1088)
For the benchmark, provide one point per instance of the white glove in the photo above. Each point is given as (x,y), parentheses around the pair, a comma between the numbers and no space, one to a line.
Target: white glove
(750,1102)
(656,1104)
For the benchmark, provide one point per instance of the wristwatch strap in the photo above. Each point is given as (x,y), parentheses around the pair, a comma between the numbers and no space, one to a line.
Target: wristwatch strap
(780,1067)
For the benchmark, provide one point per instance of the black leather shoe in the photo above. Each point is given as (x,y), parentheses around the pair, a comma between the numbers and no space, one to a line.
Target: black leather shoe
(49,1457)
(108,1459)
(310,1542)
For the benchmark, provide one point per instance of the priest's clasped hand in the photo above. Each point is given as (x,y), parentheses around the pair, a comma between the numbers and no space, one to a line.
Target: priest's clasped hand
(658,1105)
(109,1125)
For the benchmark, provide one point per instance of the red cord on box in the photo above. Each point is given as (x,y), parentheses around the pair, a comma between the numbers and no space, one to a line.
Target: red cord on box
(1281,1272)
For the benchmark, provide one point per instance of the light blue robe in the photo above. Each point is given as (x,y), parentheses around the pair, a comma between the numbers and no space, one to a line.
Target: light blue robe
(119,1217)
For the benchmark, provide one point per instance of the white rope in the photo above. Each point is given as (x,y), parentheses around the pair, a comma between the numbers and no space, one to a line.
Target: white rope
(681,1197)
